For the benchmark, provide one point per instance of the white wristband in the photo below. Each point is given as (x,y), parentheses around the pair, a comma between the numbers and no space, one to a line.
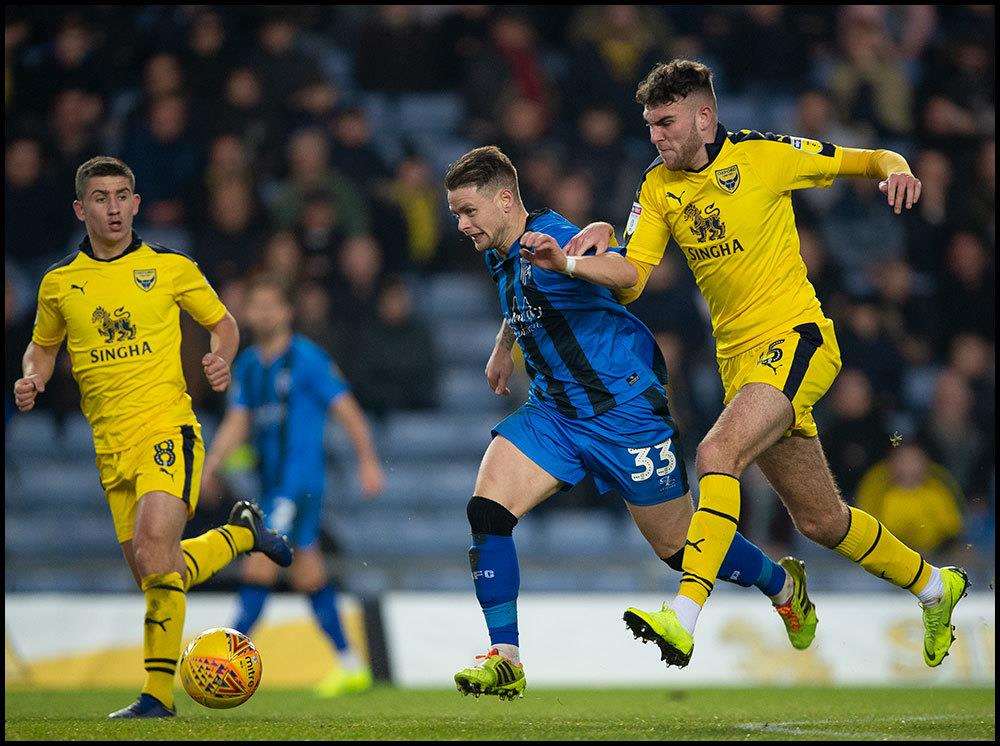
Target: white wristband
(570,266)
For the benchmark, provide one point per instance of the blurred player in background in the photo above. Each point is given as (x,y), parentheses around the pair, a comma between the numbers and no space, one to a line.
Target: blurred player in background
(725,198)
(284,386)
(117,302)
(597,405)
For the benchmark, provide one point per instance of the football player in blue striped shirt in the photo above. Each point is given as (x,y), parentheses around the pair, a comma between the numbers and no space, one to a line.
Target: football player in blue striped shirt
(597,405)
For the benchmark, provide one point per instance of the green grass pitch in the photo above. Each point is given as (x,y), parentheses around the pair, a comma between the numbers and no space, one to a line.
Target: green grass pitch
(717,714)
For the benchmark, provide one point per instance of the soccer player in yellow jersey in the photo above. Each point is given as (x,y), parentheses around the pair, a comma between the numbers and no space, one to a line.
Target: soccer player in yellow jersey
(725,198)
(117,302)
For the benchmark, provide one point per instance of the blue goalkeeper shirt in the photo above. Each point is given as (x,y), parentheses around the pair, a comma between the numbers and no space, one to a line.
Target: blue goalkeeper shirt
(288,399)
(583,351)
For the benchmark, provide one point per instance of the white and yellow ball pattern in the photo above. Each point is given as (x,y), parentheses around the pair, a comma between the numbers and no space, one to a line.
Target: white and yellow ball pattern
(220,668)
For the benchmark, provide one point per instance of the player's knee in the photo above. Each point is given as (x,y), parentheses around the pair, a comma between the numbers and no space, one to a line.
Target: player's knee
(714,455)
(489,517)
(821,527)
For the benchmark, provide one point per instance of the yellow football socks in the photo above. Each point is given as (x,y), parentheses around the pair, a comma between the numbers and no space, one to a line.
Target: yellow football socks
(712,529)
(205,555)
(869,544)
(162,631)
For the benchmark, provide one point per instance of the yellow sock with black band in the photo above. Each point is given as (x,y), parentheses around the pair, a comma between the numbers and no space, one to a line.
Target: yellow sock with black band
(163,628)
(712,529)
(870,545)
(205,555)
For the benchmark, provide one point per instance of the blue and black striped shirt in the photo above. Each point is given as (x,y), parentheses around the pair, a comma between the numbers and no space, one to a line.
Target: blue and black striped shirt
(583,351)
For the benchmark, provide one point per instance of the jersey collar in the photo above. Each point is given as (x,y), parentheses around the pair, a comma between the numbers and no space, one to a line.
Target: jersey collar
(88,249)
(712,148)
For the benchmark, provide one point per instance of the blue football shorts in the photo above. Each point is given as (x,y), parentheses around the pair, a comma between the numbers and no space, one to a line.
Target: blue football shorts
(633,448)
(298,517)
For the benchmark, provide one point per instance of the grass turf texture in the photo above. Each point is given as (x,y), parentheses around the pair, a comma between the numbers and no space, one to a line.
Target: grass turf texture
(756,714)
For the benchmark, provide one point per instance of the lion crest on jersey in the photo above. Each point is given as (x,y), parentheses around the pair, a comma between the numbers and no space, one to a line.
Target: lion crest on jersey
(116,327)
(728,179)
(707,226)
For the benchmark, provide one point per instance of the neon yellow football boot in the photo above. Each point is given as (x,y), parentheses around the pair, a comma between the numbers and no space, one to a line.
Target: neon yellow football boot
(340,682)
(665,629)
(939,632)
(799,614)
(493,675)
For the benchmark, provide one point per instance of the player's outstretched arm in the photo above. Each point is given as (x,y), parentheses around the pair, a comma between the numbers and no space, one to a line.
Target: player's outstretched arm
(233,432)
(500,366)
(896,181)
(354,422)
(37,366)
(610,270)
(225,342)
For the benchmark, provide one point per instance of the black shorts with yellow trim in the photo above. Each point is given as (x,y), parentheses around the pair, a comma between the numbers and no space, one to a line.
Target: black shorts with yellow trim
(802,363)
(168,460)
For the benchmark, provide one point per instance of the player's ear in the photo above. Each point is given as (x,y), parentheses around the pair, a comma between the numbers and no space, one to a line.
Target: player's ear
(505,199)
(78,209)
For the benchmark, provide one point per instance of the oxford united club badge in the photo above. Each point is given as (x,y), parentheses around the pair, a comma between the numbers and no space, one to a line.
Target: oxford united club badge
(144,278)
(728,178)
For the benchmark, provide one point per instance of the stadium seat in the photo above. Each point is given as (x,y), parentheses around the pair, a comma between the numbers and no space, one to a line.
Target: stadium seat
(440,113)
(65,484)
(459,296)
(468,343)
(77,438)
(30,432)
(580,533)
(435,436)
(466,390)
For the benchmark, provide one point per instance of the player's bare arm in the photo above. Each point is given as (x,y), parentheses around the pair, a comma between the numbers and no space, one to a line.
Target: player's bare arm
(355,424)
(232,433)
(500,366)
(609,270)
(225,342)
(896,181)
(37,365)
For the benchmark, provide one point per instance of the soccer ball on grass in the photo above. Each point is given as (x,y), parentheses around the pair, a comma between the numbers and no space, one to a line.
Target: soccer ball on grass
(220,668)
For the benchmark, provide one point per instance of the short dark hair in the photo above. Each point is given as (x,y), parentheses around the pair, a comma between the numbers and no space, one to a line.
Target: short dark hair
(102,165)
(487,166)
(671,81)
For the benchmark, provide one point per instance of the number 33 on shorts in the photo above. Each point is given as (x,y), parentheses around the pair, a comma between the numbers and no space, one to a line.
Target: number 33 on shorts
(645,463)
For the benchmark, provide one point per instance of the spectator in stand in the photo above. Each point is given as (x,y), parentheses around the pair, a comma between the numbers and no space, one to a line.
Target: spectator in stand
(524,126)
(573,196)
(313,314)
(319,232)
(974,357)
(395,54)
(395,368)
(71,61)
(207,58)
(416,194)
(865,344)
(909,312)
(965,300)
(74,137)
(869,83)
(508,66)
(613,47)
(283,258)
(284,68)
(855,429)
(353,153)
(233,232)
(927,223)
(914,498)
(309,172)
(167,157)
(824,272)
(31,200)
(600,149)
(952,435)
(243,109)
(356,284)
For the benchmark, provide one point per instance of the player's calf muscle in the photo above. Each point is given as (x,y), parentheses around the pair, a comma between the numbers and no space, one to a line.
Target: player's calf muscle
(753,420)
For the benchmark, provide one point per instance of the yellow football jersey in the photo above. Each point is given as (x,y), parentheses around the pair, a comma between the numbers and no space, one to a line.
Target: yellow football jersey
(121,321)
(733,220)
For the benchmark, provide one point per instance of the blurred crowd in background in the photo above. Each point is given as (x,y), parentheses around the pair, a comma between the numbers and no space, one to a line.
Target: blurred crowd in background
(310,143)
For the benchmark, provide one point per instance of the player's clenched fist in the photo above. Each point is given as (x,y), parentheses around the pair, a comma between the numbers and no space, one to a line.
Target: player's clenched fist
(25,391)
(900,189)
(543,251)
(216,371)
